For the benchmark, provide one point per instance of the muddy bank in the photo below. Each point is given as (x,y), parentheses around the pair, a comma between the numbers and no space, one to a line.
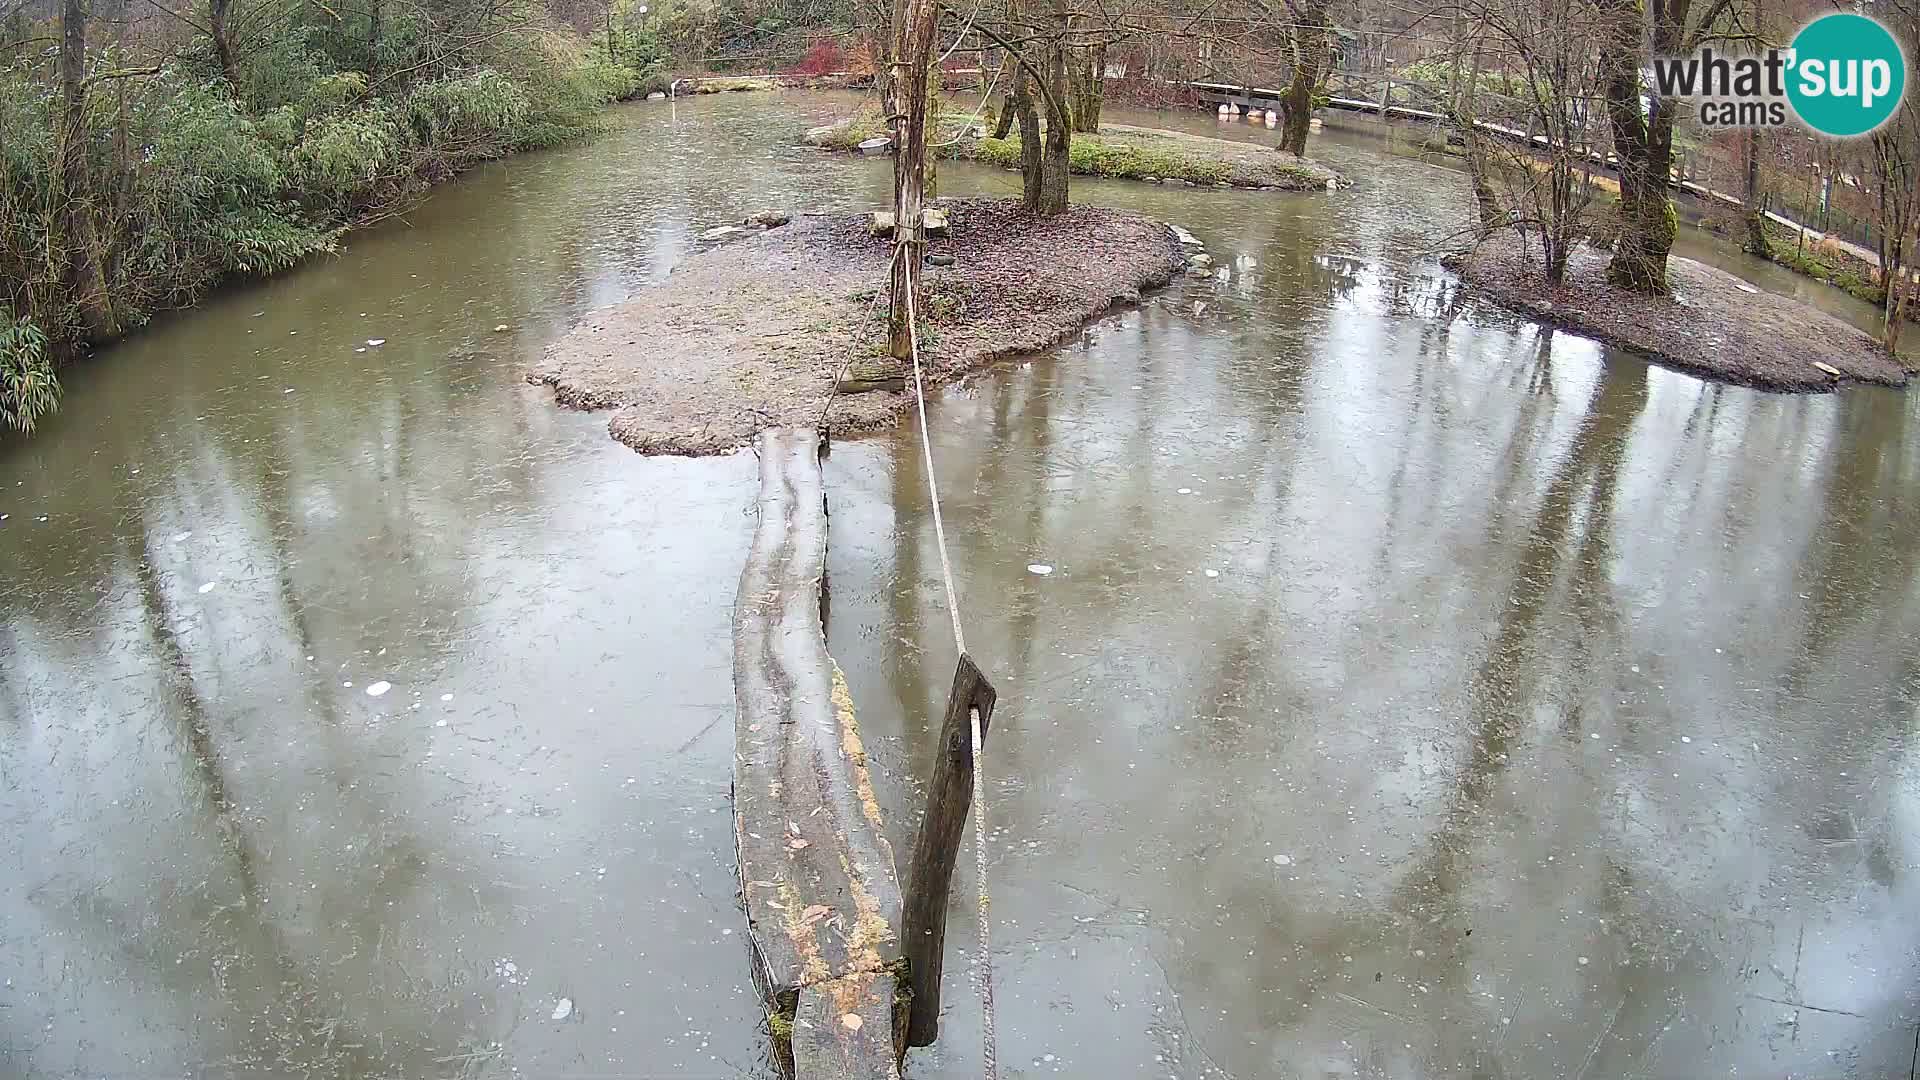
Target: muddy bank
(1714,325)
(755,333)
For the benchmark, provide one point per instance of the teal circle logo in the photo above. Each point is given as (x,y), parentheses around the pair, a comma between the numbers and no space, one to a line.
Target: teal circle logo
(1848,75)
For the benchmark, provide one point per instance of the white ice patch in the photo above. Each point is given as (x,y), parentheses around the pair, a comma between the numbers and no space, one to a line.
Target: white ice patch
(446,697)
(1039,568)
(376,342)
(209,587)
(1283,860)
(376,689)
(563,1009)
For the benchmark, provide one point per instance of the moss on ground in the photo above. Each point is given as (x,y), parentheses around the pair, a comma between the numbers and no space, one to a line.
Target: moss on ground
(1090,155)
(1148,154)
(1840,270)
(1118,152)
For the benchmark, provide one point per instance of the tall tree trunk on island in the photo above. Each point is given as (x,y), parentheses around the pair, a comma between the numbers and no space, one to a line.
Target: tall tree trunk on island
(1898,182)
(1031,165)
(913,53)
(1054,161)
(1486,200)
(1309,57)
(1642,144)
(377,29)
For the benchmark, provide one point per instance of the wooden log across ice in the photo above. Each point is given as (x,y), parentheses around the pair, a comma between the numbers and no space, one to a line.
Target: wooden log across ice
(817,875)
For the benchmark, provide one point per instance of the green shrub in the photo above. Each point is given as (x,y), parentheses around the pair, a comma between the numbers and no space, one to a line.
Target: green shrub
(28,389)
(480,113)
(189,179)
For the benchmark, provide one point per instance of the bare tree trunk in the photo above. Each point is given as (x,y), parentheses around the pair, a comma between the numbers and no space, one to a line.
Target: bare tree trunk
(1089,87)
(15,29)
(1479,170)
(1898,175)
(217,13)
(1309,56)
(1031,166)
(913,55)
(72,225)
(1052,196)
(1000,104)
(1644,148)
(1756,202)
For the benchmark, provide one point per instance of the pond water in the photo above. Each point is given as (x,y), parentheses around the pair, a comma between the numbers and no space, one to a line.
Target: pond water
(1415,692)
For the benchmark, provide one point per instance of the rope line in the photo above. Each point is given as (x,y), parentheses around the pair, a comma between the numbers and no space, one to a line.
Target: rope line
(853,352)
(983,969)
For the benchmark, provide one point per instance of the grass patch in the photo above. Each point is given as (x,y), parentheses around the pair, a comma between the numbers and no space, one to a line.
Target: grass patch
(1848,274)
(1091,155)
(1143,154)
(731,86)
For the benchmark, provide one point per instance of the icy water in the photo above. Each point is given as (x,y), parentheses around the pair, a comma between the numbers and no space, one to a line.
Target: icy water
(1413,692)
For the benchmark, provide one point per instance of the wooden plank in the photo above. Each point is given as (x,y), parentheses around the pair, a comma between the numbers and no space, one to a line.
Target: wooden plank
(844,1029)
(816,873)
(949,800)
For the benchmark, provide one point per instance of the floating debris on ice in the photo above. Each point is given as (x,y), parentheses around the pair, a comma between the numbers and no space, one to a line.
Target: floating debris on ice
(376,342)
(376,689)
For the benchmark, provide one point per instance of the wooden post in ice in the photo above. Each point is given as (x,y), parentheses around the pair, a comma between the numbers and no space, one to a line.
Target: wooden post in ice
(923,930)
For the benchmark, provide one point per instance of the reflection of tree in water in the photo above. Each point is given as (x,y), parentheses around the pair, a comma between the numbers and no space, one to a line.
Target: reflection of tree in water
(252,955)
(1866,548)
(1337,276)
(1581,489)
(291,1014)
